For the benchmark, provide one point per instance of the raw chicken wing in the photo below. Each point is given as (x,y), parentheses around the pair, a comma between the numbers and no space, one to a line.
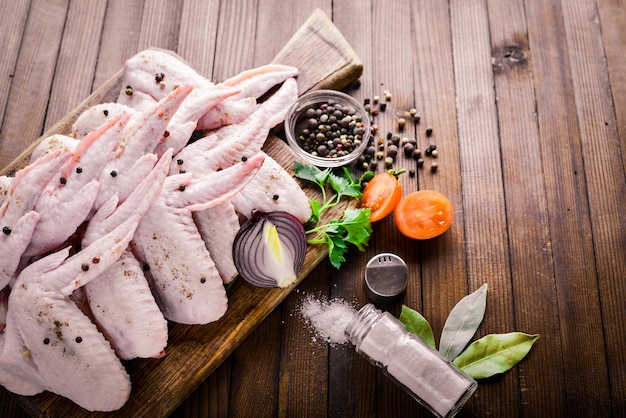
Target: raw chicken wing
(49,344)
(187,284)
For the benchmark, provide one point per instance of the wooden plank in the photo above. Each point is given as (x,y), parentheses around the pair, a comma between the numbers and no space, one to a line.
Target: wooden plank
(318,35)
(532,270)
(174,377)
(32,79)
(586,388)
(435,100)
(605,179)
(120,38)
(15,15)
(612,18)
(443,261)
(198,33)
(78,55)
(160,24)
(483,191)
(234,48)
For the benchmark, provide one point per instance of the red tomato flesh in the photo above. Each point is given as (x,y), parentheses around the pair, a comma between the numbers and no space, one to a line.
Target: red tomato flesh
(381,195)
(424,214)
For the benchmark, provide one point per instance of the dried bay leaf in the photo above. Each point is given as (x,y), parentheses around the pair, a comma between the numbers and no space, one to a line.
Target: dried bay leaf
(494,354)
(417,324)
(462,323)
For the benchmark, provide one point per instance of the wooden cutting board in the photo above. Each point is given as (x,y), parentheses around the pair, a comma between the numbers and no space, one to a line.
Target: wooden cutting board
(193,352)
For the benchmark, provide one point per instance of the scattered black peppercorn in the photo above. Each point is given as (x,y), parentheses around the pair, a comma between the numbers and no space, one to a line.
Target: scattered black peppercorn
(146,267)
(244,158)
(85,267)
(275,197)
(106,112)
(46,341)
(159,77)
(181,187)
(62,180)
(429,131)
(113,173)
(179,161)
(202,280)
(6,230)
(79,339)
(166,134)
(79,170)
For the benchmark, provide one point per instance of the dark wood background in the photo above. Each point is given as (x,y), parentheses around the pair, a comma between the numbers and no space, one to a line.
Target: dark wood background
(527,102)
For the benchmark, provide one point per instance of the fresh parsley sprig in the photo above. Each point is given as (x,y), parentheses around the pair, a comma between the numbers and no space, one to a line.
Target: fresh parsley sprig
(354,226)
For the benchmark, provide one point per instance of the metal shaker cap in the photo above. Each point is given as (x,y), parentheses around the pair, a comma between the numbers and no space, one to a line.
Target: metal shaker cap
(386,277)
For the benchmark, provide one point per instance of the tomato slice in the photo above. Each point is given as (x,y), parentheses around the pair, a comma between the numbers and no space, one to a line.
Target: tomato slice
(381,195)
(424,214)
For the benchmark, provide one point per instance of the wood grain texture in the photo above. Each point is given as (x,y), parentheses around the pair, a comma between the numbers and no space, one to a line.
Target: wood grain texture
(483,190)
(604,177)
(33,75)
(444,271)
(568,211)
(234,45)
(10,38)
(197,34)
(120,37)
(526,203)
(160,23)
(612,20)
(319,48)
(76,64)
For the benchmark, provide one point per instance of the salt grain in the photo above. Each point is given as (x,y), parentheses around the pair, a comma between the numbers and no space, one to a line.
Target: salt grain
(328,319)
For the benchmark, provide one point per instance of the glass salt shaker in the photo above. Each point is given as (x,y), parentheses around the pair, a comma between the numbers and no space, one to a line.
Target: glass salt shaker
(426,375)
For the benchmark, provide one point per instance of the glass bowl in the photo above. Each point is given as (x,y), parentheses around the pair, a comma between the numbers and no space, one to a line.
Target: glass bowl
(333,134)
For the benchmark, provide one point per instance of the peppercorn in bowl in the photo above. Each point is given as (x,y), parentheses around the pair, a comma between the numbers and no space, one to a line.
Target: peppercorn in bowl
(327,128)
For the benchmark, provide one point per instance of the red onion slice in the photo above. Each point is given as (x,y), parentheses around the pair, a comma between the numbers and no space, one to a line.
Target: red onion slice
(269,249)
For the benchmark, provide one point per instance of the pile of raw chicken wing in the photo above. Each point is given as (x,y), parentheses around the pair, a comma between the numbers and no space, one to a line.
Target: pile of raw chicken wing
(125,224)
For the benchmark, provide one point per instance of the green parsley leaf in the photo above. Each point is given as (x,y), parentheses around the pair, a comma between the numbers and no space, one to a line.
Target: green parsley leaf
(356,223)
(336,249)
(316,208)
(344,186)
(353,228)
(310,173)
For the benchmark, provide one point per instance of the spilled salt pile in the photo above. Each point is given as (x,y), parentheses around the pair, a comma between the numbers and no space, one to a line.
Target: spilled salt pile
(328,319)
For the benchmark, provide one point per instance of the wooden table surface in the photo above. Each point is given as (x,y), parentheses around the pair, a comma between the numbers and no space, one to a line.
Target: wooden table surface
(527,102)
